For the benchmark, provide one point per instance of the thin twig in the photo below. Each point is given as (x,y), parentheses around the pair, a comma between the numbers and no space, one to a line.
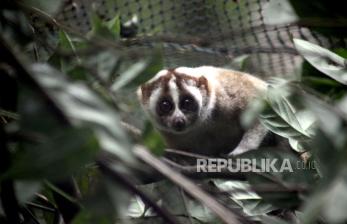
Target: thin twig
(192,172)
(42,207)
(132,130)
(29,215)
(189,154)
(104,167)
(223,213)
(9,114)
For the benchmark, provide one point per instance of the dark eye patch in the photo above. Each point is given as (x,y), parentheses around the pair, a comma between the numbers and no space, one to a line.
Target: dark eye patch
(165,106)
(188,104)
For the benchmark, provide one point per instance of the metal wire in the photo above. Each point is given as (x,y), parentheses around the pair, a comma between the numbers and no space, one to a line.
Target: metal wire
(229,29)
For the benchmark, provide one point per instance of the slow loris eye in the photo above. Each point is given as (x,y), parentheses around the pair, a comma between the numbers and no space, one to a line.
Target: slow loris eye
(165,106)
(187,103)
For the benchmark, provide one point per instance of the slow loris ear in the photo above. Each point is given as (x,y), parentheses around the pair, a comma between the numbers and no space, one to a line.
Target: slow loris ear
(202,83)
(143,94)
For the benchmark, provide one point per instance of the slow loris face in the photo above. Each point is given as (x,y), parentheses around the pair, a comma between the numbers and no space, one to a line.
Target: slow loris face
(176,99)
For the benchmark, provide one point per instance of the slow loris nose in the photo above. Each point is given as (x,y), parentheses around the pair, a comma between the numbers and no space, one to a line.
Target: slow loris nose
(179,123)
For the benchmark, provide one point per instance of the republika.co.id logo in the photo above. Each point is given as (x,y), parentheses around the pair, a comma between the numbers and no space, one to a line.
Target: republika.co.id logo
(247,165)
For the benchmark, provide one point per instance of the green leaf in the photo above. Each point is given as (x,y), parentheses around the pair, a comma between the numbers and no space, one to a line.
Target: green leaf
(281,117)
(55,158)
(98,27)
(342,105)
(330,201)
(153,140)
(273,220)
(239,63)
(105,62)
(48,6)
(171,196)
(78,73)
(140,72)
(159,220)
(252,112)
(308,123)
(175,202)
(279,12)
(129,75)
(155,64)
(341,52)
(329,143)
(136,208)
(335,207)
(65,42)
(330,122)
(107,29)
(25,190)
(321,83)
(84,107)
(106,200)
(321,10)
(66,45)
(242,193)
(37,120)
(288,173)
(53,188)
(325,155)
(114,27)
(86,217)
(87,178)
(323,60)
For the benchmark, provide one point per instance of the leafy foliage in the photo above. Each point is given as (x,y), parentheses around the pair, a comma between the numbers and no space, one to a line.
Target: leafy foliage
(324,60)
(70,129)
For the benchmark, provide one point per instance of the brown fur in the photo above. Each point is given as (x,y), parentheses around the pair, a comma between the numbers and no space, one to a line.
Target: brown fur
(163,81)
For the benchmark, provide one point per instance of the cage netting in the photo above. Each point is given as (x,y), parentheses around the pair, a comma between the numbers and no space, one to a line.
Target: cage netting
(203,32)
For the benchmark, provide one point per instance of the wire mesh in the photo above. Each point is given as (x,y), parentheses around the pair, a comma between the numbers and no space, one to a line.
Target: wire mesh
(224,30)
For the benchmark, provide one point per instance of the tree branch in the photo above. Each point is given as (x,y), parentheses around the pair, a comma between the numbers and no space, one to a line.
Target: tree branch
(188,186)
(105,169)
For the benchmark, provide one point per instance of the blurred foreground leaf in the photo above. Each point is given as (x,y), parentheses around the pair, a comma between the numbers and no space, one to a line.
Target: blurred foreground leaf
(84,107)
(281,117)
(242,193)
(106,29)
(49,6)
(153,140)
(324,60)
(279,12)
(279,170)
(55,158)
(139,72)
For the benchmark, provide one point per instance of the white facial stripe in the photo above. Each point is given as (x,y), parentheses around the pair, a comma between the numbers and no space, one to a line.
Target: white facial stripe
(153,99)
(174,92)
(158,75)
(195,92)
(207,71)
(210,73)
(189,71)
(212,84)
